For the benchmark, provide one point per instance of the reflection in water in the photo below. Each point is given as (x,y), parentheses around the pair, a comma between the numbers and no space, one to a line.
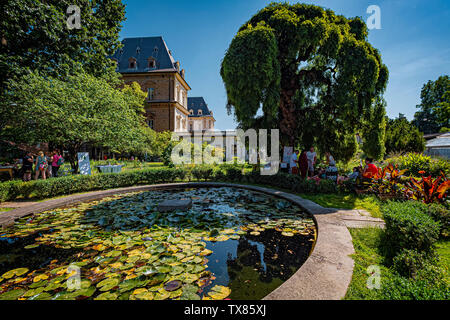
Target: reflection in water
(253,266)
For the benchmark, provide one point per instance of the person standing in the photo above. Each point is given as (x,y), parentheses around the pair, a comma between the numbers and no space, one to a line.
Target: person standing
(294,161)
(49,159)
(27,166)
(57,161)
(303,164)
(312,157)
(41,165)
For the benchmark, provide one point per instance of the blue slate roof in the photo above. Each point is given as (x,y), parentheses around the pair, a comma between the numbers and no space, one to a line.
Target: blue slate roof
(142,49)
(198,103)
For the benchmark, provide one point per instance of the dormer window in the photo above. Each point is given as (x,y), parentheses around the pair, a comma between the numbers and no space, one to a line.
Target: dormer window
(151,63)
(155,51)
(191,112)
(132,63)
(199,112)
(138,50)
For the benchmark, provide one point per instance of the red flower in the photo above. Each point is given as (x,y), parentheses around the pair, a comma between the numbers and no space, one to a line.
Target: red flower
(422,172)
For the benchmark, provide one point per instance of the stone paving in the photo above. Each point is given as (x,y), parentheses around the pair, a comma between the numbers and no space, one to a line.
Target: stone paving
(325,275)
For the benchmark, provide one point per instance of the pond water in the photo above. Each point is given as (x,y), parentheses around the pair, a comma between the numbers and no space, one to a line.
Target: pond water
(232,244)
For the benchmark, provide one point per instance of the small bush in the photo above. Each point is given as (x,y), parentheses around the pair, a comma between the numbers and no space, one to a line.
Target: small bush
(233,174)
(438,213)
(407,227)
(409,263)
(400,288)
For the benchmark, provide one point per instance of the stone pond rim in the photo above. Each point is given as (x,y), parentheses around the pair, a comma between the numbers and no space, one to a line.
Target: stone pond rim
(325,275)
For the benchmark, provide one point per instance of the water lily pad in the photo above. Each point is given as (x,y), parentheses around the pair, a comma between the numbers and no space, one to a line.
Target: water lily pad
(108,284)
(162,295)
(172,285)
(14,273)
(40,277)
(107,296)
(41,296)
(219,292)
(176,270)
(12,295)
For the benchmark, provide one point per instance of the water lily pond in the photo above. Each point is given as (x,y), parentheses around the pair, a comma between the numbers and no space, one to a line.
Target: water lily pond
(231,244)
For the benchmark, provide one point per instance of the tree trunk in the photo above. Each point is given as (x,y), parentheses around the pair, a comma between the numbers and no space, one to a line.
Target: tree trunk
(288,121)
(73,158)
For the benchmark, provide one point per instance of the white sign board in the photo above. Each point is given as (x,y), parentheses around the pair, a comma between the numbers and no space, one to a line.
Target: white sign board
(84,166)
(287,153)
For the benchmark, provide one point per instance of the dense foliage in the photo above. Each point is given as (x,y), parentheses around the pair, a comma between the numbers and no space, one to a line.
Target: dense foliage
(35,37)
(402,136)
(81,109)
(434,109)
(313,74)
(416,162)
(407,227)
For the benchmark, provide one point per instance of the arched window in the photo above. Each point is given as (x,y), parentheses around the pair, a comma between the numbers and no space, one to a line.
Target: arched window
(199,112)
(191,112)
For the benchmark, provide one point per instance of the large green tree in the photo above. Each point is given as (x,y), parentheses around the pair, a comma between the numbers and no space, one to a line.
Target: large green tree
(77,110)
(434,109)
(34,36)
(402,136)
(307,71)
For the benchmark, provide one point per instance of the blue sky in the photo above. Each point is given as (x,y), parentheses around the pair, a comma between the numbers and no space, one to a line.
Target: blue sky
(414,41)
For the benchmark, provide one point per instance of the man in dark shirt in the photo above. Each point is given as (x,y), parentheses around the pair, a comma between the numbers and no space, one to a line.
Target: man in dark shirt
(27,166)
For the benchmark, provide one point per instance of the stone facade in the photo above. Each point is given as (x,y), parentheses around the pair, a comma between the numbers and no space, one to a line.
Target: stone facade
(166,100)
(150,63)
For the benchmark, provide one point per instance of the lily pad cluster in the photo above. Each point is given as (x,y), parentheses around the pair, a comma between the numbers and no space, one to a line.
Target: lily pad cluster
(126,249)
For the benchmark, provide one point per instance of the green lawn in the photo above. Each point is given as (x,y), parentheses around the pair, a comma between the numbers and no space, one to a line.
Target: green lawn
(346,201)
(366,242)
(443,250)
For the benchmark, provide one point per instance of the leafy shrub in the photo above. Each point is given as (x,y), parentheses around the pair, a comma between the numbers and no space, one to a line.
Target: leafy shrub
(400,288)
(415,162)
(438,212)
(219,175)
(233,173)
(202,172)
(408,263)
(407,227)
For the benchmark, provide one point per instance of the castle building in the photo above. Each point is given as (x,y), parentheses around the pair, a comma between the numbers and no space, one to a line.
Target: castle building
(149,62)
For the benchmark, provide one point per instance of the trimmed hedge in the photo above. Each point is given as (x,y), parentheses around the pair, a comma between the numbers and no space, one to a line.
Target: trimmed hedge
(40,189)
(407,227)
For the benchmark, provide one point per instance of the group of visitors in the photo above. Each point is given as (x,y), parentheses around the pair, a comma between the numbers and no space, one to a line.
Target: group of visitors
(45,165)
(304,163)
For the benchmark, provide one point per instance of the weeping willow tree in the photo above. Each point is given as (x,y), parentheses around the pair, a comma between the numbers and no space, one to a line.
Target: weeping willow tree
(307,71)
